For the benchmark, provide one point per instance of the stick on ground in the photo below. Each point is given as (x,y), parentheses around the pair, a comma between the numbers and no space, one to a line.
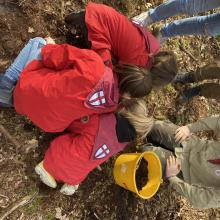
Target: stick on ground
(8,136)
(181,46)
(26,200)
(62,9)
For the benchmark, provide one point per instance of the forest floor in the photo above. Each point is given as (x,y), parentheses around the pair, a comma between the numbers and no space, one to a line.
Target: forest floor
(98,197)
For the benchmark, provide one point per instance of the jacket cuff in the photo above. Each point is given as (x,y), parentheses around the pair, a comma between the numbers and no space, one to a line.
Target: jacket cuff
(193,127)
(174,180)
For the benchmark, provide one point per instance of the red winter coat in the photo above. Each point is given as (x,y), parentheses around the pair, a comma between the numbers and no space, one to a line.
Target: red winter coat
(72,156)
(111,33)
(67,84)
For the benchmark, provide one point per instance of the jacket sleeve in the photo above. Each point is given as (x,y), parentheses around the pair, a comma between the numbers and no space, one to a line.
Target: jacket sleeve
(105,54)
(64,56)
(68,157)
(55,56)
(199,196)
(206,124)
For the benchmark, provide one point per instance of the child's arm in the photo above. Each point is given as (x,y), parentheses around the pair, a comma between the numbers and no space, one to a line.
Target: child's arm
(106,57)
(199,196)
(68,157)
(64,56)
(206,124)
(55,56)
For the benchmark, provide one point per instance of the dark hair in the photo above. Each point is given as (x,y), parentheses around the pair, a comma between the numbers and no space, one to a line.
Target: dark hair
(164,68)
(137,81)
(75,18)
(75,22)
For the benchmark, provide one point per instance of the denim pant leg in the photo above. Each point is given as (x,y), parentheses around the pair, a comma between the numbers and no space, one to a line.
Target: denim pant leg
(174,7)
(35,52)
(30,52)
(202,25)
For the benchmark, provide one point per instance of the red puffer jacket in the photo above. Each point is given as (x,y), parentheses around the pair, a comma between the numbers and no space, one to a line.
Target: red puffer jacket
(113,34)
(72,156)
(67,84)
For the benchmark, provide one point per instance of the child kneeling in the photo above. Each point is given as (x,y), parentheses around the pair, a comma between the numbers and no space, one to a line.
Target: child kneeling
(90,142)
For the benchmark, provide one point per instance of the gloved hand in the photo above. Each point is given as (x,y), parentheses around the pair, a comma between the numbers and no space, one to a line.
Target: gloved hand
(173,167)
(182,134)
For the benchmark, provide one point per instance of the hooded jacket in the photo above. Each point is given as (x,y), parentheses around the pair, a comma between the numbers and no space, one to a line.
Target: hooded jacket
(73,155)
(114,35)
(67,84)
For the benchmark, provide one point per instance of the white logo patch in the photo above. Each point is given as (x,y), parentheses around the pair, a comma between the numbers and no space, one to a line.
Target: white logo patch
(97,98)
(217,172)
(102,152)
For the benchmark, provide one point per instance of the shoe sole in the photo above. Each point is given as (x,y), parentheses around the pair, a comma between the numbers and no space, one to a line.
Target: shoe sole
(44,177)
(62,190)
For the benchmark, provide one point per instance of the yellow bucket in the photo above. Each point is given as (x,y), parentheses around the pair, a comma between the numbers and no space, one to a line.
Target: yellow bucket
(125,170)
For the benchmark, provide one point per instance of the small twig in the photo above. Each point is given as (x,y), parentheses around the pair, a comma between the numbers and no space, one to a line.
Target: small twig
(21,2)
(9,137)
(99,168)
(186,51)
(85,215)
(10,2)
(6,201)
(62,9)
(62,31)
(18,161)
(97,217)
(186,67)
(22,216)
(6,197)
(26,200)
(154,110)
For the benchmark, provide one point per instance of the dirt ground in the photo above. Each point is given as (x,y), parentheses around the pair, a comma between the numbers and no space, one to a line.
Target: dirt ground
(98,197)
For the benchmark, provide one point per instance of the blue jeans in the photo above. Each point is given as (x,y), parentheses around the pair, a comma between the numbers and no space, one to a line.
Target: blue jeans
(30,52)
(201,25)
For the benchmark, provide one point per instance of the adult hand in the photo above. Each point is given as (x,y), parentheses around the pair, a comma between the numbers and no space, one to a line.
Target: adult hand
(50,40)
(173,167)
(182,134)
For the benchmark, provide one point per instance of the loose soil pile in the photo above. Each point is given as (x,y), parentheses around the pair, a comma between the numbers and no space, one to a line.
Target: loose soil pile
(141,175)
(98,197)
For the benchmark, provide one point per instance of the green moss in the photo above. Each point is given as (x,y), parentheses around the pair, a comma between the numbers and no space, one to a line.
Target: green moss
(50,216)
(34,207)
(169,88)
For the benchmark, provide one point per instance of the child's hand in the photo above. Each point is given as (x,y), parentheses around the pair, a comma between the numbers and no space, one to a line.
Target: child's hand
(182,134)
(173,167)
(50,40)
